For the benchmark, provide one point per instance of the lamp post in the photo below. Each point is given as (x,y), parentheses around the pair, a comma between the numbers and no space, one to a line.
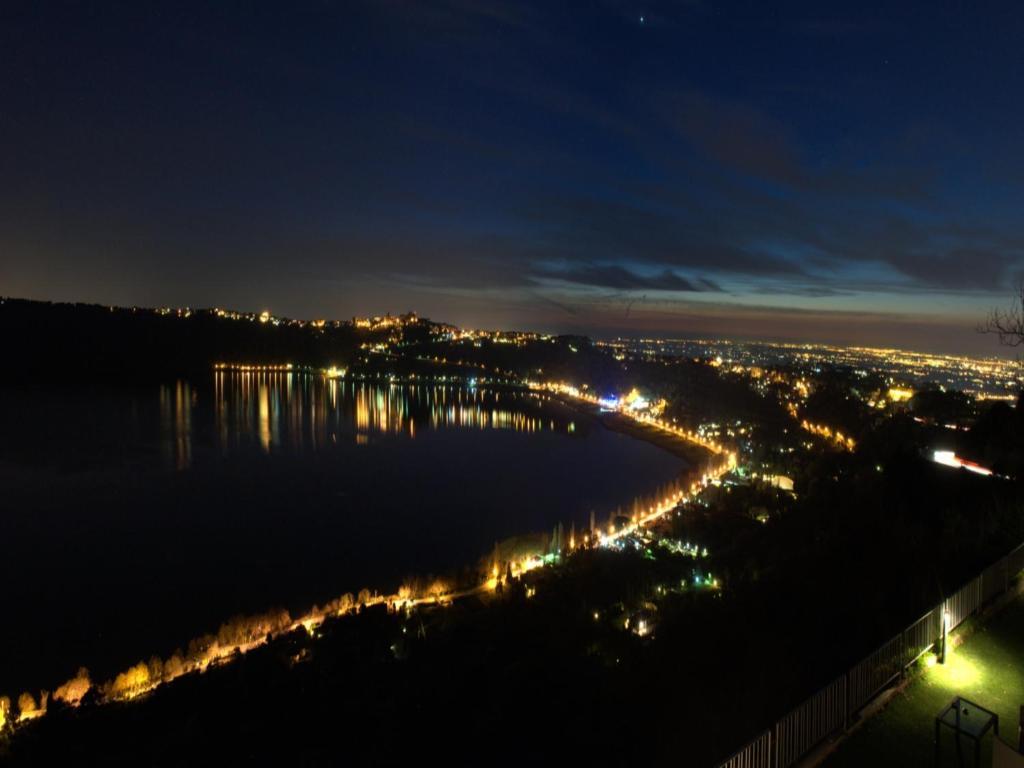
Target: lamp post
(945,637)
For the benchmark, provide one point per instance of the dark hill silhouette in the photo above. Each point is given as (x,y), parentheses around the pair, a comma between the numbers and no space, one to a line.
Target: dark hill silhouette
(44,339)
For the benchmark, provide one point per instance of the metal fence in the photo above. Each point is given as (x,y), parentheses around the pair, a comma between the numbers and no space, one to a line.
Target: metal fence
(832,708)
(875,672)
(757,754)
(994,580)
(920,637)
(963,602)
(1015,561)
(817,718)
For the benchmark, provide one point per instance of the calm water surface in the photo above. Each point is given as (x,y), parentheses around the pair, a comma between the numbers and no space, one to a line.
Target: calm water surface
(134,518)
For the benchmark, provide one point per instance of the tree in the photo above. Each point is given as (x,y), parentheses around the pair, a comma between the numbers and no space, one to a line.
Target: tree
(156,668)
(1008,324)
(74,689)
(26,704)
(345,603)
(198,647)
(174,666)
(131,681)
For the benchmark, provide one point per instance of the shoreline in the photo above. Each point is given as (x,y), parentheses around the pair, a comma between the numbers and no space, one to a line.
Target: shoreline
(696,456)
(246,633)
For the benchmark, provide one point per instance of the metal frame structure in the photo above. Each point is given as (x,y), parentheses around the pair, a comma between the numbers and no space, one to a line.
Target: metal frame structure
(958,717)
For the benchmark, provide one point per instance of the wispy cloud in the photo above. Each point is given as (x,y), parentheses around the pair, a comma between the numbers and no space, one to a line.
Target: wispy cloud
(621,279)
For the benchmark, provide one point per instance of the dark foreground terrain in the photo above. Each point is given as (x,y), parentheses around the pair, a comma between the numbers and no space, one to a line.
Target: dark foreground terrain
(556,676)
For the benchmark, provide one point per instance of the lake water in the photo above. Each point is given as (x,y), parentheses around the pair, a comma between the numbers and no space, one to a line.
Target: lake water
(135,518)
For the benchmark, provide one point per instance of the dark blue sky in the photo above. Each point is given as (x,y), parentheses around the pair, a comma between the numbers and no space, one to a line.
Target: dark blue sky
(749,169)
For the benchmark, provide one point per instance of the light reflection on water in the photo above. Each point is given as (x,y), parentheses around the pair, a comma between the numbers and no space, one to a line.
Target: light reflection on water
(297,412)
(176,423)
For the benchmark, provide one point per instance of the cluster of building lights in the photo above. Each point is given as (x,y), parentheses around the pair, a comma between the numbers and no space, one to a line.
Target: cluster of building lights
(983,378)
(386,322)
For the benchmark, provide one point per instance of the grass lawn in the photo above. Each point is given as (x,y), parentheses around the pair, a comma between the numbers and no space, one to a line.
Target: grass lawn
(988,669)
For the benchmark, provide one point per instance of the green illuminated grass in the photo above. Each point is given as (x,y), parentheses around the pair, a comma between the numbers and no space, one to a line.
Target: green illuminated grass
(988,669)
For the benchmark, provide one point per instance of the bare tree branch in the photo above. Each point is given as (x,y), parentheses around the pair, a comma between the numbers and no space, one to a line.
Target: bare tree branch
(1008,324)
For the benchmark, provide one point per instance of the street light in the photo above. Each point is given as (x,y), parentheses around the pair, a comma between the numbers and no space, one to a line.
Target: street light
(945,637)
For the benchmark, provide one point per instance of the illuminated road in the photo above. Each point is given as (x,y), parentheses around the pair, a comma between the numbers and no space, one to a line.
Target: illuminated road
(140,679)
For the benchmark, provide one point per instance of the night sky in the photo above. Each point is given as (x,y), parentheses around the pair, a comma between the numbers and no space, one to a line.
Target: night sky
(694,168)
